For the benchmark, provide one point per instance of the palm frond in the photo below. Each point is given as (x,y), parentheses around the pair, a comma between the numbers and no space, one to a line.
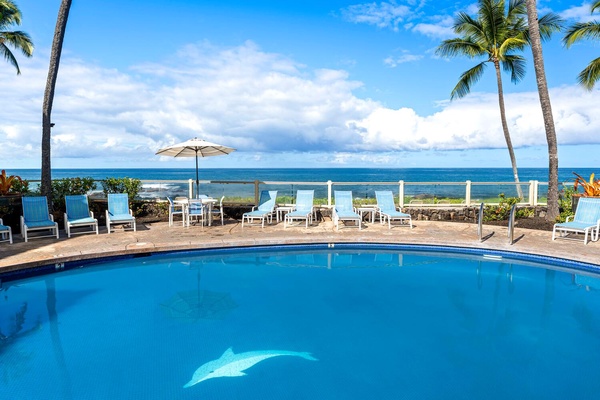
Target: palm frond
(515,65)
(581,31)
(516,10)
(549,23)
(9,14)
(511,44)
(467,79)
(19,40)
(459,47)
(596,6)
(590,74)
(9,56)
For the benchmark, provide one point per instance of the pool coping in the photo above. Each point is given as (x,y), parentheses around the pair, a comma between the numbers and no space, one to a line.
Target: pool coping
(159,237)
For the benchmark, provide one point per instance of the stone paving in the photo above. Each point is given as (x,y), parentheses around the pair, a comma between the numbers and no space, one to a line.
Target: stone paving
(159,236)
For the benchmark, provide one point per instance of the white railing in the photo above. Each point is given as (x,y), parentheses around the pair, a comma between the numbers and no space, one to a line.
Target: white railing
(408,194)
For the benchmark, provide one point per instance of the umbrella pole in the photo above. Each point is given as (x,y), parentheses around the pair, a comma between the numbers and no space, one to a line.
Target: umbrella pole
(197,181)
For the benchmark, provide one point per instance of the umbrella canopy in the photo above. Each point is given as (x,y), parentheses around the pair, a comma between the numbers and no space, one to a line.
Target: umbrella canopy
(195,148)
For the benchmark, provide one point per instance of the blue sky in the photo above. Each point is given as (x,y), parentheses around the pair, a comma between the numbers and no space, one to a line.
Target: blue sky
(287,83)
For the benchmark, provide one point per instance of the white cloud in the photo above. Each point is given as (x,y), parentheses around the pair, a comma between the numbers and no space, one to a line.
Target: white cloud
(580,13)
(383,15)
(405,57)
(474,123)
(260,103)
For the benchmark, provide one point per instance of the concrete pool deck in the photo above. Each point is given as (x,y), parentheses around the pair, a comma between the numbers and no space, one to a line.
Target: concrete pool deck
(159,236)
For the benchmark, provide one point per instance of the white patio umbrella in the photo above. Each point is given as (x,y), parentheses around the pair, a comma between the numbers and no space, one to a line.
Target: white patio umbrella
(195,148)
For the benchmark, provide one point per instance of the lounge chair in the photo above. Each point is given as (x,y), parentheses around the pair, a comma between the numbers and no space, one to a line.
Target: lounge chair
(217,210)
(36,217)
(78,214)
(118,211)
(303,209)
(586,221)
(344,209)
(176,209)
(264,210)
(5,232)
(196,210)
(386,208)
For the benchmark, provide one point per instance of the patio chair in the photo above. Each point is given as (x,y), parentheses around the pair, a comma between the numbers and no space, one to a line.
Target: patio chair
(343,209)
(217,210)
(386,208)
(303,209)
(264,210)
(195,210)
(176,209)
(586,221)
(36,217)
(5,232)
(119,212)
(78,214)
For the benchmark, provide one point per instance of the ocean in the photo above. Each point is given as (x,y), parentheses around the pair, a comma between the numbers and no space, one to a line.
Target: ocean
(420,182)
(315,174)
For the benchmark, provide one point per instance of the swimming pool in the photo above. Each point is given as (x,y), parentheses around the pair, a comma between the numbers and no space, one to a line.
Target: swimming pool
(306,322)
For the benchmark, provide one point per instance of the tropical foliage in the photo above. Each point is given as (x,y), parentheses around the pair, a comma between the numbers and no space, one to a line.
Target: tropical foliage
(131,186)
(581,31)
(565,203)
(497,34)
(7,183)
(501,211)
(11,15)
(591,187)
(69,186)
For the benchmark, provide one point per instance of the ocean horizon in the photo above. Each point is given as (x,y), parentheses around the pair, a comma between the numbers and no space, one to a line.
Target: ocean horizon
(338,174)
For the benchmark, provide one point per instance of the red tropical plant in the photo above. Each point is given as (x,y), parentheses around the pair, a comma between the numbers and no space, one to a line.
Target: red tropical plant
(591,187)
(6,182)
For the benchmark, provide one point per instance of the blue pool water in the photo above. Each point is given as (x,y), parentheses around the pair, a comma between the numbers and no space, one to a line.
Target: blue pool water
(381,324)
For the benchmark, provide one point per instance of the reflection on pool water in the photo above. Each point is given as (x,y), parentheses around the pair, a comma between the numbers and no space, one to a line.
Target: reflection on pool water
(316,323)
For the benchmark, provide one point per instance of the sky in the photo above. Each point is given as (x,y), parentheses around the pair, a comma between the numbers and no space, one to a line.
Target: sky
(288,84)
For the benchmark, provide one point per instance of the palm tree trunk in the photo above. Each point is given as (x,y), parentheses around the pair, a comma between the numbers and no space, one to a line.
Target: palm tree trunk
(540,74)
(57,43)
(511,151)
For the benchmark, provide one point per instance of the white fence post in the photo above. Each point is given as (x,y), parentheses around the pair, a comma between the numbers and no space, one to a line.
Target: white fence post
(401,194)
(468,193)
(329,184)
(190,189)
(533,192)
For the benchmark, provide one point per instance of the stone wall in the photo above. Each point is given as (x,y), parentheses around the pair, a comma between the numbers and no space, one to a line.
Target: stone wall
(466,214)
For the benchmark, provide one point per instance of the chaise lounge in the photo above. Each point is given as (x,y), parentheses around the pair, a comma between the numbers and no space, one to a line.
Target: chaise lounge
(343,209)
(387,209)
(264,210)
(36,217)
(78,215)
(118,211)
(586,221)
(5,232)
(303,209)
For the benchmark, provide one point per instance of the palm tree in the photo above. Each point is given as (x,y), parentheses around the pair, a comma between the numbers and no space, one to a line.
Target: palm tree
(11,15)
(57,43)
(496,33)
(540,73)
(586,30)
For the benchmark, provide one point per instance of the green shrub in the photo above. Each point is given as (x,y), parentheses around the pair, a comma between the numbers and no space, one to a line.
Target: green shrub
(69,186)
(565,204)
(501,212)
(131,186)
(20,186)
